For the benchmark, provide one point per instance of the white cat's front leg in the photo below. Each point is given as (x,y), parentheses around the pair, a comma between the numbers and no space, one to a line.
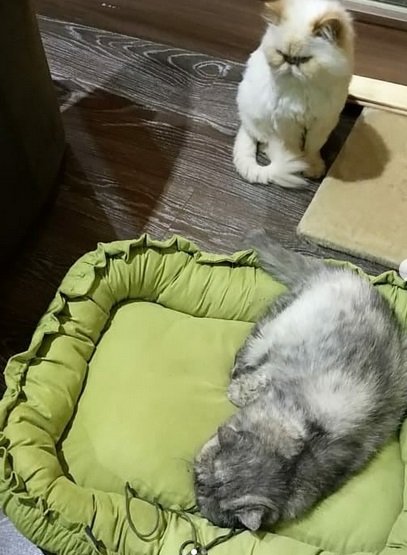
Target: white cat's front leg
(316,137)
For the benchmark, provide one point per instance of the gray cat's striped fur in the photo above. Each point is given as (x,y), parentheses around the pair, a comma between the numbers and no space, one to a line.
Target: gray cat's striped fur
(321,383)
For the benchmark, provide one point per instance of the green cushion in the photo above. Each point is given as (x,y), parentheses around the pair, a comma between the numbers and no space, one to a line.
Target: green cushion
(125,379)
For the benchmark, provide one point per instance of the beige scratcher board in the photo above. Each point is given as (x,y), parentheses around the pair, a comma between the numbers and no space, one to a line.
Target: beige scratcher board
(378,94)
(361,206)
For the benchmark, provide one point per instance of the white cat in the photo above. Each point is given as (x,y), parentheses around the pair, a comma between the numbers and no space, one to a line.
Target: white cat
(293,90)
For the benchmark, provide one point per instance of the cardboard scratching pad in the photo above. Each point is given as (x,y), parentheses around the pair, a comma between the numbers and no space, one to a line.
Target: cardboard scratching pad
(361,205)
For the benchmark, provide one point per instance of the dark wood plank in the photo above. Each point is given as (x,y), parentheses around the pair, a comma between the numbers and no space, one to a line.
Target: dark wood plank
(380,53)
(224,28)
(150,131)
(146,73)
(227,28)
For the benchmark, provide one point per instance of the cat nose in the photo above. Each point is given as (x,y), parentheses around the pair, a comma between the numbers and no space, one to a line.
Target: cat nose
(294,60)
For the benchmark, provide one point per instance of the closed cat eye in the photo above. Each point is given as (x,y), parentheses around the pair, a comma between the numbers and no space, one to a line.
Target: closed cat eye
(294,60)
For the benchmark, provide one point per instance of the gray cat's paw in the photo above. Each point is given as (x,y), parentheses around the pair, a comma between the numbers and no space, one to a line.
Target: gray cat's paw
(235,394)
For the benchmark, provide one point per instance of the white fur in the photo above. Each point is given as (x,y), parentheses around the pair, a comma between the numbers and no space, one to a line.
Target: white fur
(278,102)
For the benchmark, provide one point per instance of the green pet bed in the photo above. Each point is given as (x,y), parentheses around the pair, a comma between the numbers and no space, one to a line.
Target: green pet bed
(123,382)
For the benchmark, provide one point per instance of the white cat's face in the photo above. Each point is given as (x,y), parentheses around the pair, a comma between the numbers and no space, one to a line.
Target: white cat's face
(308,38)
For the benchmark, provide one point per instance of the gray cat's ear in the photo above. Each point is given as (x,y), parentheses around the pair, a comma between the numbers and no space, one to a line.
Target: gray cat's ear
(273,11)
(228,436)
(251,518)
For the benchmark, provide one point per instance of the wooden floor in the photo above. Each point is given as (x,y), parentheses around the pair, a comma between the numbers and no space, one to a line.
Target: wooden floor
(150,131)
(224,28)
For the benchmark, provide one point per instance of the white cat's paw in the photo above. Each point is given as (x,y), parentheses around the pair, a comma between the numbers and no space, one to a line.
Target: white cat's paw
(315,167)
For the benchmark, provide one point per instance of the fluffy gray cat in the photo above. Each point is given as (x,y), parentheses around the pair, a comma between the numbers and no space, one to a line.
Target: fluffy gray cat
(321,383)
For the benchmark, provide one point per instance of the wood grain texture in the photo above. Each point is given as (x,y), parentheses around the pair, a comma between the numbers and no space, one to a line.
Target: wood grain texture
(227,28)
(224,28)
(150,131)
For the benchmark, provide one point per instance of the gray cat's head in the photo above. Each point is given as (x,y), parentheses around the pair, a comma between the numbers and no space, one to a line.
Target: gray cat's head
(238,481)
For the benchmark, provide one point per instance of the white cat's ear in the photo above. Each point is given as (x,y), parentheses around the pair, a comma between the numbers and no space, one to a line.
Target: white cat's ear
(251,518)
(330,28)
(273,11)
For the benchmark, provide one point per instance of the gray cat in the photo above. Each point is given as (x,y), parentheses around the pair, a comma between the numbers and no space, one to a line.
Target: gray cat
(321,383)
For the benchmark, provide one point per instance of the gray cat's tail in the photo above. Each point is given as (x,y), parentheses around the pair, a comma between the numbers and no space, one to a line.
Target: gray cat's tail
(288,267)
